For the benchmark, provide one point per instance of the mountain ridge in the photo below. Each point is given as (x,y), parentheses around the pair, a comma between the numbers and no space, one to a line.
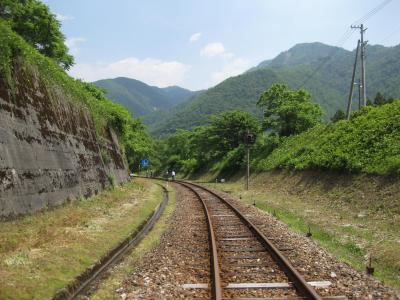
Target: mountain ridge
(324,70)
(140,98)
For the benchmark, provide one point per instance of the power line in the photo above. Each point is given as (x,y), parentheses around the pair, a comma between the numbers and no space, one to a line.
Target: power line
(397,30)
(372,12)
(347,34)
(331,55)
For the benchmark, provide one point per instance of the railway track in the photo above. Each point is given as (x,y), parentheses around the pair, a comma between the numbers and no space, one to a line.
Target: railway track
(244,263)
(234,259)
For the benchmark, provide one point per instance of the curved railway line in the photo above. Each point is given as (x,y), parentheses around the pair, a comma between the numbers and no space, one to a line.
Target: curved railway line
(225,253)
(244,263)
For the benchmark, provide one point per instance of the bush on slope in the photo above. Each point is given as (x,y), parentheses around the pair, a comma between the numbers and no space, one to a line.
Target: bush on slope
(369,143)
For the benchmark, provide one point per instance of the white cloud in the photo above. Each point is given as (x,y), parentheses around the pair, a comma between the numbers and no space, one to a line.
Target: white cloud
(233,65)
(149,70)
(72,44)
(195,37)
(63,18)
(233,68)
(213,49)
(216,49)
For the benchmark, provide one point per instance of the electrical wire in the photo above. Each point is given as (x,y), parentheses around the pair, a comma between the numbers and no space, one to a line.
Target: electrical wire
(347,34)
(372,12)
(331,55)
(397,30)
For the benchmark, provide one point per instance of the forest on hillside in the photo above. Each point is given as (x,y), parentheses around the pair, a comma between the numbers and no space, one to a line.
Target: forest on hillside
(291,136)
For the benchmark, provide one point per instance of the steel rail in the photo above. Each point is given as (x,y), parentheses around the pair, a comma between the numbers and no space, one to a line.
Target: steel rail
(83,281)
(297,279)
(215,270)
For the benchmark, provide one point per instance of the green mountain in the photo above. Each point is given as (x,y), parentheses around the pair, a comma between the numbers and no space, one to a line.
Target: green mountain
(303,54)
(141,99)
(323,70)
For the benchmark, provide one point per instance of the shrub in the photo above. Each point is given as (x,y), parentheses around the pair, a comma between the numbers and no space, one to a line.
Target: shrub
(369,142)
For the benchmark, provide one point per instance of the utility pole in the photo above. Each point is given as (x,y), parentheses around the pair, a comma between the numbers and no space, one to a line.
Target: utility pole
(348,111)
(249,140)
(363,44)
(359,93)
(248,168)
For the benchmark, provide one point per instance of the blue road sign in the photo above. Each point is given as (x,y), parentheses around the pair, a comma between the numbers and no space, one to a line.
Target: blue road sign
(144,163)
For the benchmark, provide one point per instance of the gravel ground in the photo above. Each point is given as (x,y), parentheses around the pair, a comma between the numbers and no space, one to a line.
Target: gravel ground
(182,257)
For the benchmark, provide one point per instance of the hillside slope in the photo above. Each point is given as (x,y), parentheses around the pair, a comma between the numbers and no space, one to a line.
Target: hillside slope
(140,98)
(329,85)
(367,143)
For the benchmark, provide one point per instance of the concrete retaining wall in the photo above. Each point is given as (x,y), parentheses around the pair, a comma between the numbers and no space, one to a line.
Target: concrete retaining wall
(49,151)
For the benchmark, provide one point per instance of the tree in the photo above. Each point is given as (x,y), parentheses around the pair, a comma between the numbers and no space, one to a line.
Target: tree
(220,142)
(178,144)
(228,129)
(138,144)
(39,27)
(379,99)
(339,115)
(287,111)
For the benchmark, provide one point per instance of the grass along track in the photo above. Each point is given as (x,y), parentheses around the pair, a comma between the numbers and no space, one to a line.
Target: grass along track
(43,253)
(114,278)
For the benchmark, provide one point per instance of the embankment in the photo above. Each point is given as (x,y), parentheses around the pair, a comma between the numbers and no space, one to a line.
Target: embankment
(49,149)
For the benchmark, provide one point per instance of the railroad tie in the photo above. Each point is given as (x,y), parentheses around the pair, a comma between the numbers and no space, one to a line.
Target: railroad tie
(259,285)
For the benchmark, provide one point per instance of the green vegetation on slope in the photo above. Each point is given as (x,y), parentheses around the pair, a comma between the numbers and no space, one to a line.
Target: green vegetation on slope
(328,87)
(288,112)
(294,139)
(141,99)
(369,143)
(33,20)
(302,54)
(219,145)
(106,114)
(239,92)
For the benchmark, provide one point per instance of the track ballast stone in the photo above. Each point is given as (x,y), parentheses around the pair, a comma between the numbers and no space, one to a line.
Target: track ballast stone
(182,257)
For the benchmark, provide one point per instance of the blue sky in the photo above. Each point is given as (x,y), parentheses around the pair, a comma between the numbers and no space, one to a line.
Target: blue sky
(198,43)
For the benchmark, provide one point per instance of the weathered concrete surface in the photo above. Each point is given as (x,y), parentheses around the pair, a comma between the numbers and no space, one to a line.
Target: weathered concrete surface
(49,151)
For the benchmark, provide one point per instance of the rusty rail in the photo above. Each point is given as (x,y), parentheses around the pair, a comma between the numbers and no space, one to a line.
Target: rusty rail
(297,279)
(216,282)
